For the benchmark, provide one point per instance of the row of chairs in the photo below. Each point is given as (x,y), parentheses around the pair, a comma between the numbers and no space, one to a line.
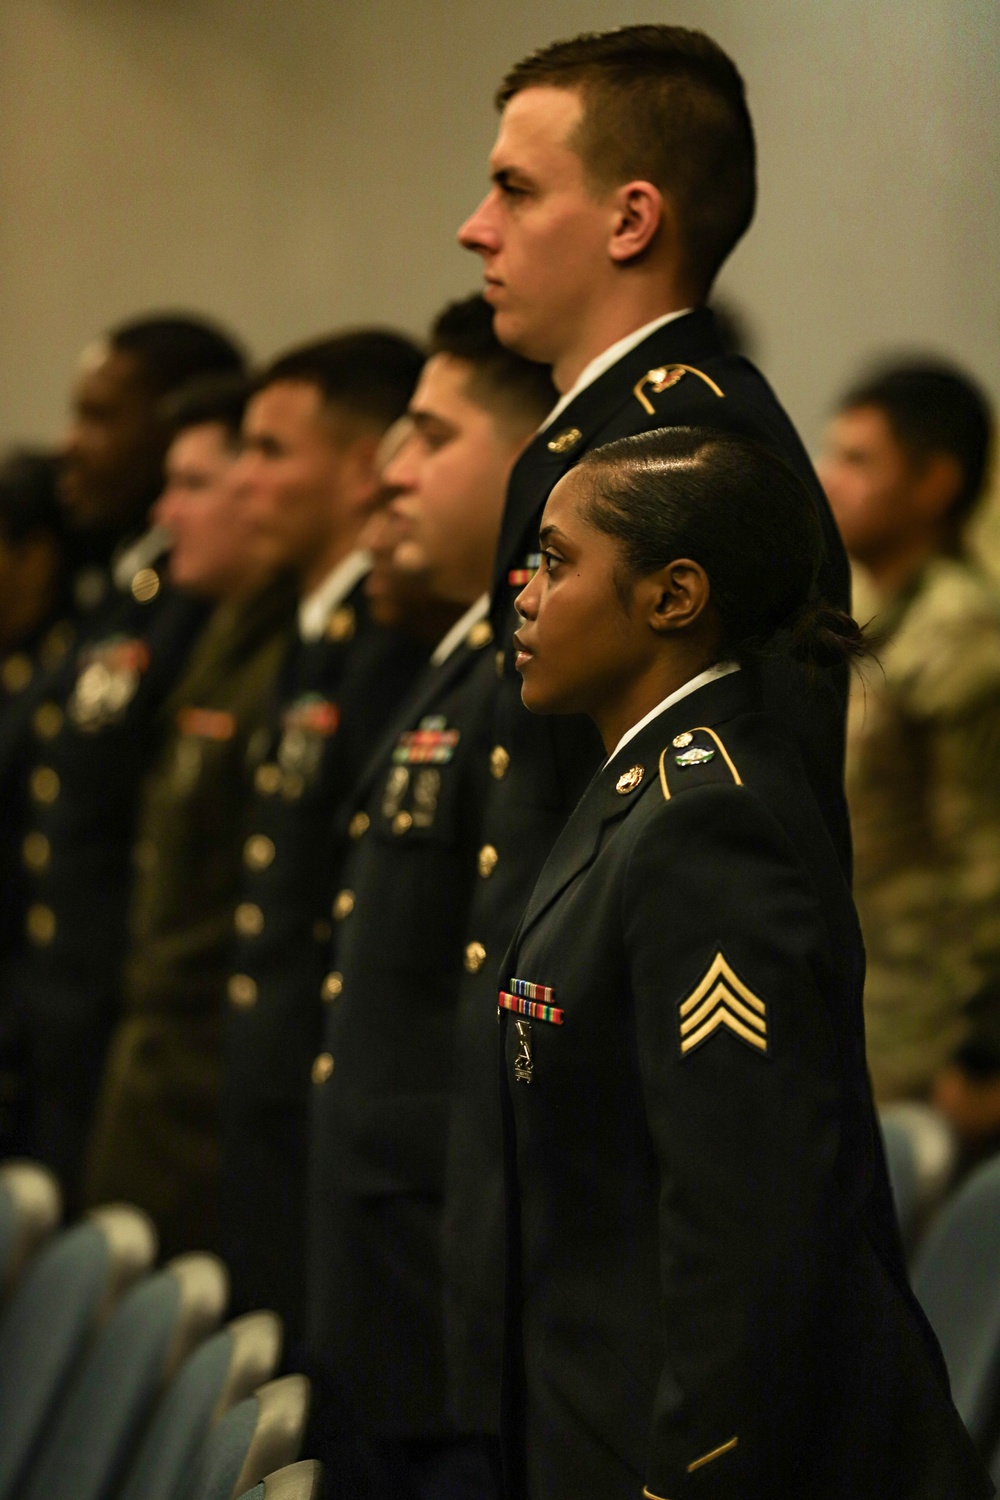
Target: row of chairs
(954,1246)
(116,1379)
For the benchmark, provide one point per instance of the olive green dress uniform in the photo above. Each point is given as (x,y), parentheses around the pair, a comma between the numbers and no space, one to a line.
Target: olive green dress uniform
(335,696)
(92,732)
(155,1140)
(538,768)
(706,1292)
(923,784)
(382,1082)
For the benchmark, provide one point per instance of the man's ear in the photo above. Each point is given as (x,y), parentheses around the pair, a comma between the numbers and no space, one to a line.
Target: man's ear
(939,485)
(678,595)
(640,211)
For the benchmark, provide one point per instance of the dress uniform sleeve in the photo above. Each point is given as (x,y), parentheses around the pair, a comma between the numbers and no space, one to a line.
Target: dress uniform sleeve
(729,955)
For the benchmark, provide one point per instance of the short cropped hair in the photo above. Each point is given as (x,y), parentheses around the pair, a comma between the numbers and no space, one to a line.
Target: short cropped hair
(933,407)
(667,105)
(517,391)
(366,374)
(217,400)
(170,351)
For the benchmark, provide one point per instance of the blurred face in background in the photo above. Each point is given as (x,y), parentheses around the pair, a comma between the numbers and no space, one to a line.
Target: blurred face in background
(450,478)
(214,547)
(112,452)
(307,479)
(886,502)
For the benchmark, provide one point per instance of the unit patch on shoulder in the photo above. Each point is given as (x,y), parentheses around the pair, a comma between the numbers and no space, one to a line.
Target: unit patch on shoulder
(696,751)
(720,998)
(662,378)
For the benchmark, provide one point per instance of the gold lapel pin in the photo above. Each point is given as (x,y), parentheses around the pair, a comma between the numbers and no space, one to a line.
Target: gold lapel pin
(565,440)
(629,780)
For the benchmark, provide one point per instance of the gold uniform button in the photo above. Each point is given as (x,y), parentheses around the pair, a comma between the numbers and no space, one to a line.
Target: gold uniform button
(343,905)
(248,919)
(44,784)
(488,858)
(480,635)
(342,624)
(499,761)
(322,1068)
(145,585)
(41,925)
(47,720)
(242,991)
(36,851)
(359,825)
(15,674)
(475,957)
(258,851)
(333,984)
(402,822)
(267,778)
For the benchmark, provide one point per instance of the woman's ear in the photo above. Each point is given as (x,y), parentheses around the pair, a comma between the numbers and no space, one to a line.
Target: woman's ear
(679,595)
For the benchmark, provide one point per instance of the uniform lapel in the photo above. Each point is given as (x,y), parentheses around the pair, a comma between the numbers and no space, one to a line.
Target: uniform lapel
(603,803)
(693,337)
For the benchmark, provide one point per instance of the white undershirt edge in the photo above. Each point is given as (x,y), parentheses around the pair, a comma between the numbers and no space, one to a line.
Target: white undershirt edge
(316,608)
(604,361)
(456,635)
(721,669)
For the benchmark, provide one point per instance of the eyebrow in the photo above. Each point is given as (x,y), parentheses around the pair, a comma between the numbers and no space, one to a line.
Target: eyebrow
(423,419)
(549,531)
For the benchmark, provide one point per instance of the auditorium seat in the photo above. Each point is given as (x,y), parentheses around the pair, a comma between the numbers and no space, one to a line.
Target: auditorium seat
(259,1435)
(956,1278)
(227,1369)
(135,1356)
(30,1210)
(64,1296)
(301,1481)
(921,1154)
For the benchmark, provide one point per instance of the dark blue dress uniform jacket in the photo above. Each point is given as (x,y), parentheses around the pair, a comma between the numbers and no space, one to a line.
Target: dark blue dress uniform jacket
(333,701)
(382,1084)
(706,1293)
(92,732)
(539,768)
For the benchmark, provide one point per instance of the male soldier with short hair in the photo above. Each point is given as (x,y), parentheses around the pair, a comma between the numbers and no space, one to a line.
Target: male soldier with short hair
(95,717)
(904,470)
(310,475)
(622,178)
(382,1081)
(155,1140)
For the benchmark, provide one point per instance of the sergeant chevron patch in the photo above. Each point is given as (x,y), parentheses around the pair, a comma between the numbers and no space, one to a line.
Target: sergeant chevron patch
(722,999)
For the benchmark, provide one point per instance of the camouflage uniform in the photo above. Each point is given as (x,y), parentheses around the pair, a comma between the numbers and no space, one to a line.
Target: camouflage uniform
(923,783)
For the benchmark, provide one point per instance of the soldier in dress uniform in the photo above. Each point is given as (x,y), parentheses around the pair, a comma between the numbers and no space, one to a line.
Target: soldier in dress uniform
(312,437)
(382,1081)
(94,716)
(623,176)
(706,1293)
(35,612)
(155,1140)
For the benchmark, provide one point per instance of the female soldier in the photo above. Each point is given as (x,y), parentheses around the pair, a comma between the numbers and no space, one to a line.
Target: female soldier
(706,1290)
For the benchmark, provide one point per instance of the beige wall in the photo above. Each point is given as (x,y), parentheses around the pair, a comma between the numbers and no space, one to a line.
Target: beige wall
(293,164)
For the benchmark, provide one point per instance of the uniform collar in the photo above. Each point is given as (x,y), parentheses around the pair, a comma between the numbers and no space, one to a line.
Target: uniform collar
(721,669)
(605,360)
(316,608)
(456,635)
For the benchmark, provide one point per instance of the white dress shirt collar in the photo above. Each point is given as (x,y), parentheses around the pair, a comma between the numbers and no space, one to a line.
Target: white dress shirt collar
(721,669)
(316,608)
(456,635)
(604,361)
